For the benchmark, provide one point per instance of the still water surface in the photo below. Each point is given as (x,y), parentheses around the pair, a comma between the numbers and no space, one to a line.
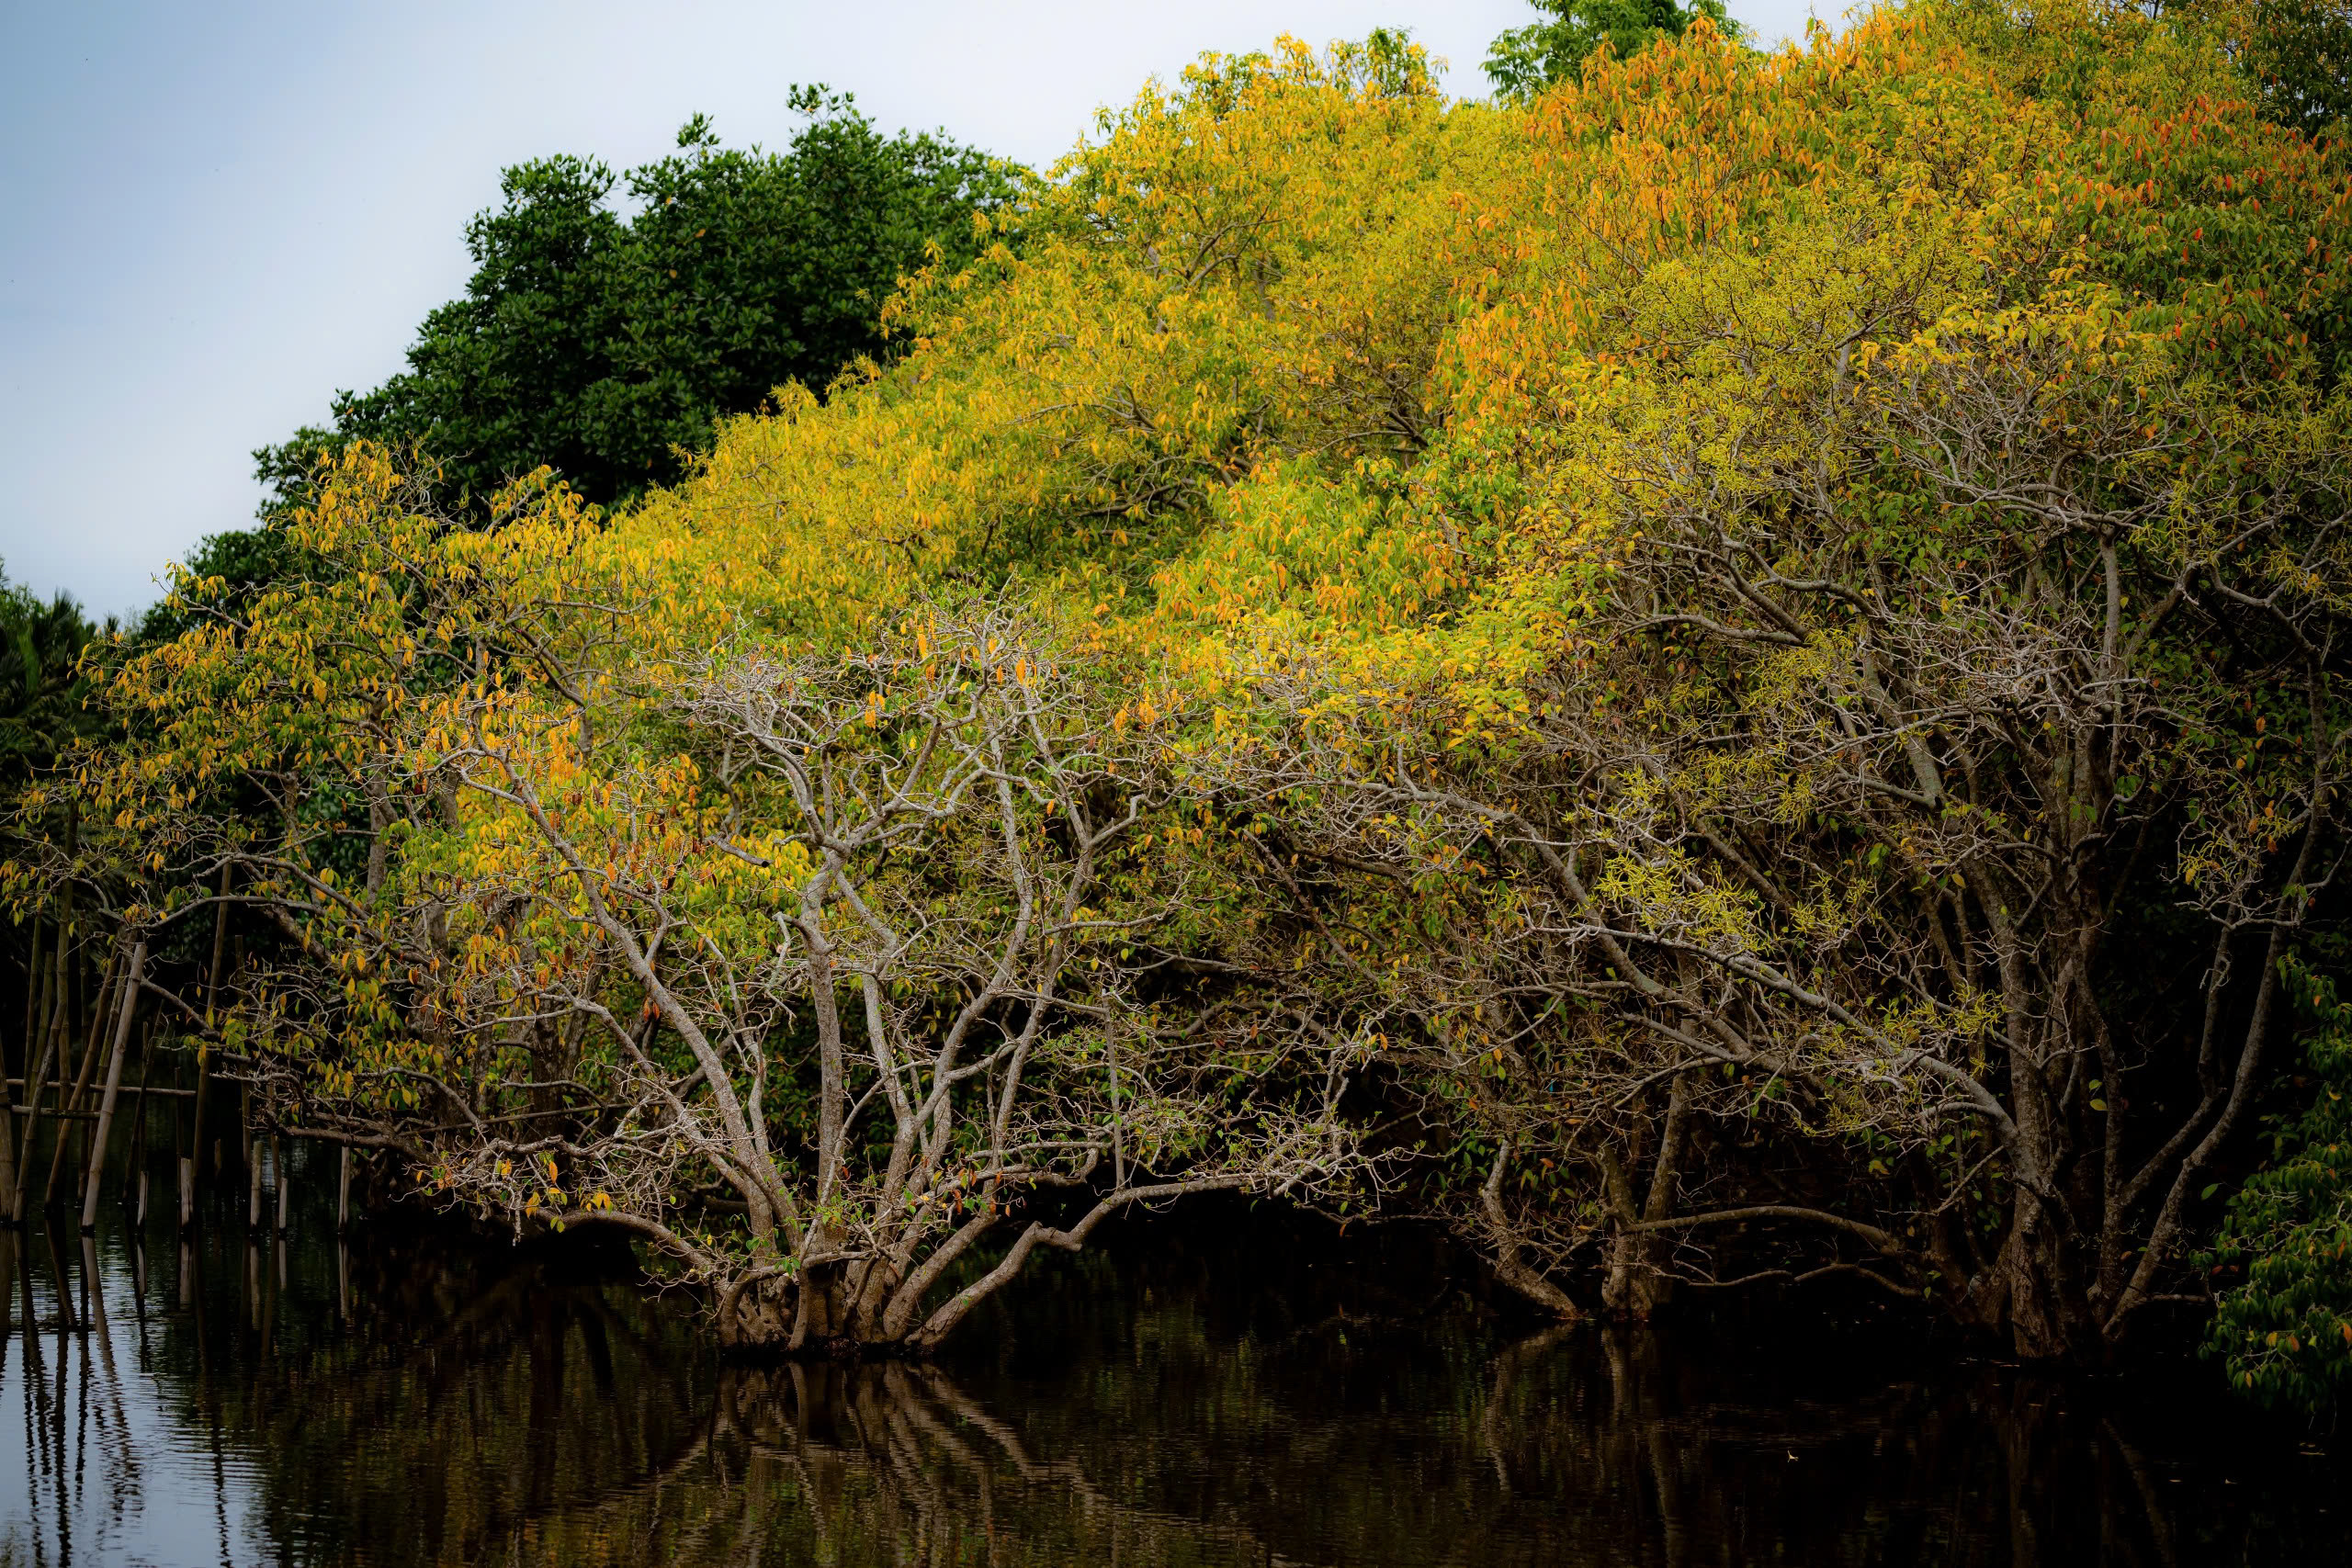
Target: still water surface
(416,1397)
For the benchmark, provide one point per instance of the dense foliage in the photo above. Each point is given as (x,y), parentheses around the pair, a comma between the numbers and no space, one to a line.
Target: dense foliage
(605,344)
(43,690)
(2299,56)
(1526,60)
(1728,670)
(2283,1325)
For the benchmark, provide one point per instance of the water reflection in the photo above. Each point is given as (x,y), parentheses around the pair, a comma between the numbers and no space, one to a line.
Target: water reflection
(418,1398)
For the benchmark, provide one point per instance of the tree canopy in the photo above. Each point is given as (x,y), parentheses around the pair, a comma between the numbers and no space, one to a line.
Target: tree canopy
(44,691)
(1727,671)
(603,341)
(1526,60)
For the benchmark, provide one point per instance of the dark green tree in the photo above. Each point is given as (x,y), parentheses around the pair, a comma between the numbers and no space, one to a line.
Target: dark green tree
(2282,1326)
(605,344)
(2300,54)
(43,685)
(1525,61)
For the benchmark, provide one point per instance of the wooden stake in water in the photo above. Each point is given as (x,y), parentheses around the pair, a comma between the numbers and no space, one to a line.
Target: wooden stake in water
(187,1193)
(139,1123)
(277,1169)
(129,1005)
(253,1187)
(342,1193)
(211,1005)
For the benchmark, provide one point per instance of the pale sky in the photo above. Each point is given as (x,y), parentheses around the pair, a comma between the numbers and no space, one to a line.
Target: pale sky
(220,213)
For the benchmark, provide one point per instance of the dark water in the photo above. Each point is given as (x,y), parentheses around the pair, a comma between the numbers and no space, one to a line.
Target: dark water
(417,1397)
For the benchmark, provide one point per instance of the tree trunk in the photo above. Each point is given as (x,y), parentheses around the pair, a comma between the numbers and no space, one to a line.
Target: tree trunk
(1637,1285)
(2035,1293)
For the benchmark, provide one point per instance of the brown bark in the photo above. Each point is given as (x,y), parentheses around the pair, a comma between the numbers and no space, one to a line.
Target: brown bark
(1637,1284)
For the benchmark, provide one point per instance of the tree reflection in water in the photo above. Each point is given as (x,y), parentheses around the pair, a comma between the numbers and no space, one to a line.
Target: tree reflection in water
(417,1399)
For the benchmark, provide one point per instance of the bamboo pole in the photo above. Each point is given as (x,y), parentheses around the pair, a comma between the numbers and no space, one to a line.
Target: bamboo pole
(8,1149)
(212,1001)
(182,1165)
(277,1174)
(343,1192)
(203,1087)
(98,1015)
(160,1091)
(139,1125)
(123,1011)
(8,1163)
(253,1188)
(33,984)
(35,1072)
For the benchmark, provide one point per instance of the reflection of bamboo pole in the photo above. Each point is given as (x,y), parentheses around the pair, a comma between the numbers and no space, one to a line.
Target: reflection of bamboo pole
(273,1283)
(65,1323)
(25,1283)
(128,1006)
(36,1381)
(93,1294)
